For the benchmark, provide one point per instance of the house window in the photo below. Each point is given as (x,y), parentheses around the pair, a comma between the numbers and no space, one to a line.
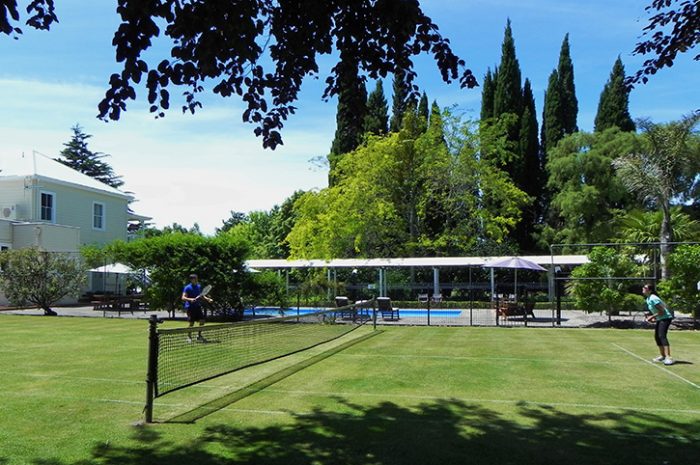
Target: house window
(98,216)
(48,207)
(4,248)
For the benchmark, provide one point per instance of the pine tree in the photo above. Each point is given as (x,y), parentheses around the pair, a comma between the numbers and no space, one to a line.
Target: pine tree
(77,156)
(508,92)
(613,106)
(352,104)
(488,91)
(399,102)
(567,89)
(377,116)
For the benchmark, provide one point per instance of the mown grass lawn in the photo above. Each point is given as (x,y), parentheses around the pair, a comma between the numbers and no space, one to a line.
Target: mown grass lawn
(73,390)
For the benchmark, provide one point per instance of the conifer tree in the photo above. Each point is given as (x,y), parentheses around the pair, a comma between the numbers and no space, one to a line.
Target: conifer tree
(567,89)
(423,113)
(508,92)
(352,104)
(552,128)
(488,91)
(435,123)
(377,116)
(77,156)
(533,176)
(399,102)
(613,106)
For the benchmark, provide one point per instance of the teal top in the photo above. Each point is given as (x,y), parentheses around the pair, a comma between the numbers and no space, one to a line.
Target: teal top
(652,301)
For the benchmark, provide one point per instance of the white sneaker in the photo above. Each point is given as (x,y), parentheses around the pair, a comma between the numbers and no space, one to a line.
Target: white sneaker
(668,361)
(658,359)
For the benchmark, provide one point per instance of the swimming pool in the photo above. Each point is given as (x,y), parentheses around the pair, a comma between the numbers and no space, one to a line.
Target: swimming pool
(406,313)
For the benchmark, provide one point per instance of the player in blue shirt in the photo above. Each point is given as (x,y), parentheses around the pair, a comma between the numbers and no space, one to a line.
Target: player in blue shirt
(193,305)
(660,314)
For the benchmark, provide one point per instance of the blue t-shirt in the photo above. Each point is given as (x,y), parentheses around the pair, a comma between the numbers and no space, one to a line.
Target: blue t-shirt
(192,291)
(652,301)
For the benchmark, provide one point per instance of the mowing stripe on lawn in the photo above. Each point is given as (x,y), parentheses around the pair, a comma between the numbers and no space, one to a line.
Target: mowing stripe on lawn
(491,359)
(369,394)
(660,367)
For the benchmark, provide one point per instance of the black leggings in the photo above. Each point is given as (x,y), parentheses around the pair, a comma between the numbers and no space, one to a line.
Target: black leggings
(660,332)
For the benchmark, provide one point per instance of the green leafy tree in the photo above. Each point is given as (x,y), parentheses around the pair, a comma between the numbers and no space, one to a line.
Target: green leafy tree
(410,193)
(40,278)
(587,194)
(613,106)
(663,171)
(235,219)
(377,116)
(681,289)
(644,226)
(169,258)
(78,156)
(595,288)
(209,47)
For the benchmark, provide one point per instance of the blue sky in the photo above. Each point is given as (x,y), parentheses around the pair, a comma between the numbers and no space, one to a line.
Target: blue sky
(188,169)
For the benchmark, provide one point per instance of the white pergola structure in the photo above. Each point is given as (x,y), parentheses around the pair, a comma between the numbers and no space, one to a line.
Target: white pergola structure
(381,264)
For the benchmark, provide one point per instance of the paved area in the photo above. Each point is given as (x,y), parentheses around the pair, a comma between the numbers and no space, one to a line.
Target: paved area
(478,317)
(88,312)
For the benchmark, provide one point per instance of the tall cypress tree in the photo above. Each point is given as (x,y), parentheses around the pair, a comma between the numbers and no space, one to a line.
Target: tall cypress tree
(552,127)
(435,124)
(423,112)
(377,115)
(399,101)
(567,89)
(352,104)
(488,91)
(508,92)
(533,179)
(613,106)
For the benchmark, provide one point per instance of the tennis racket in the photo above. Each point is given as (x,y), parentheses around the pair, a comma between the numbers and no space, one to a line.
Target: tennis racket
(205,291)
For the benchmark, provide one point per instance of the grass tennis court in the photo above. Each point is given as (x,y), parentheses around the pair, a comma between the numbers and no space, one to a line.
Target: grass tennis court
(73,389)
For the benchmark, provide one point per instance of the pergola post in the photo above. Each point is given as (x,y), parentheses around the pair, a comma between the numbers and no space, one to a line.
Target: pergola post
(436,281)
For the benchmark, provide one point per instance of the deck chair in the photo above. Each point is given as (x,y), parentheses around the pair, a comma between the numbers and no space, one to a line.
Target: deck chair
(437,298)
(423,298)
(386,310)
(342,301)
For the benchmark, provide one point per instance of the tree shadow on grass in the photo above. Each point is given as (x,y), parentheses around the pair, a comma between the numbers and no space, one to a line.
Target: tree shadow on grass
(442,432)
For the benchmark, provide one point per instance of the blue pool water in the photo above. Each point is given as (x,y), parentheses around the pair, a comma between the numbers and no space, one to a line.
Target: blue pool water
(408,313)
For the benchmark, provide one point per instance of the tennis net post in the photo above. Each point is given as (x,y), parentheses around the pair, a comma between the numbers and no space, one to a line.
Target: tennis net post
(152,372)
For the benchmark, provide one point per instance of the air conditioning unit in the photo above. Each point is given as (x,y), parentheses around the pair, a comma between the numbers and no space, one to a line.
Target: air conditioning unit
(8,212)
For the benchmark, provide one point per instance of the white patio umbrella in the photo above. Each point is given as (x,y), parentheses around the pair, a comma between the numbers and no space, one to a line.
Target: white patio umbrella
(515,263)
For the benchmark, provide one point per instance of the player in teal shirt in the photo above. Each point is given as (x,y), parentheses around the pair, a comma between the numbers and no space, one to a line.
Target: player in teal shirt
(660,314)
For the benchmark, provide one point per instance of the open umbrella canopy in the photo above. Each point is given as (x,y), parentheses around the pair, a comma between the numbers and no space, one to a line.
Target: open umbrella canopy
(516,263)
(113,268)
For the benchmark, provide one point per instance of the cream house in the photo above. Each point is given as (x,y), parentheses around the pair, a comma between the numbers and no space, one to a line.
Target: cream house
(46,204)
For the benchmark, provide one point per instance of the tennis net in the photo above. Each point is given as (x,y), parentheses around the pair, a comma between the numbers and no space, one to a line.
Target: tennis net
(187,356)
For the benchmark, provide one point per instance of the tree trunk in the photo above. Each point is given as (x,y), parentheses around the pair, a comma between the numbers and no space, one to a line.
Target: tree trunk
(48,311)
(665,238)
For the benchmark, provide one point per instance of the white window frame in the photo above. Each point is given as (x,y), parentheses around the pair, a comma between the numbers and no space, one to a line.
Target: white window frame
(5,246)
(53,206)
(104,216)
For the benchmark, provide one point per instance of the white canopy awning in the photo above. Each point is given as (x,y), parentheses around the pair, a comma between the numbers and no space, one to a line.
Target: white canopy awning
(543,260)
